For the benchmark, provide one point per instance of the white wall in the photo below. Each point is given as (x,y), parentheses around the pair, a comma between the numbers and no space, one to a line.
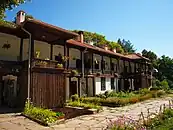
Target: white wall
(13,53)
(116,84)
(73,53)
(98,85)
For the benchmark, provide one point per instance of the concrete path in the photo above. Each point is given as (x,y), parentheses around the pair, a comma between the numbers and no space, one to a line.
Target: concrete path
(87,122)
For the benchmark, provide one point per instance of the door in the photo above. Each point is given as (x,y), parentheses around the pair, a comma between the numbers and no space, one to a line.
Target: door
(73,88)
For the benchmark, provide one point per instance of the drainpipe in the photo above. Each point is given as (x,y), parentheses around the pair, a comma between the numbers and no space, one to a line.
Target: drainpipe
(29,63)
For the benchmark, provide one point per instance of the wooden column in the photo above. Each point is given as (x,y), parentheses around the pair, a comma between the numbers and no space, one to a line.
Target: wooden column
(92,64)
(51,51)
(21,49)
(32,47)
(135,67)
(130,69)
(118,66)
(94,93)
(68,58)
(102,64)
(82,63)
(111,65)
(65,53)
(87,86)
(79,87)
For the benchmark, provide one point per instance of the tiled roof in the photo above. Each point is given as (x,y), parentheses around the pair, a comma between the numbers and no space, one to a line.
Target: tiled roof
(50,26)
(136,56)
(76,43)
(85,45)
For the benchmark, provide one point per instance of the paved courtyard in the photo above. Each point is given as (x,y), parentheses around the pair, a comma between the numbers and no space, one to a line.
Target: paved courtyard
(87,122)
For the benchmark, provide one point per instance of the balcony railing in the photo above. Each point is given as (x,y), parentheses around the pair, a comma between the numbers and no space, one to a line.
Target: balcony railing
(41,63)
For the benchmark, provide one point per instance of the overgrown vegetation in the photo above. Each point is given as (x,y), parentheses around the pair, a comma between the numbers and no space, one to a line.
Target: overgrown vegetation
(117,99)
(75,101)
(46,116)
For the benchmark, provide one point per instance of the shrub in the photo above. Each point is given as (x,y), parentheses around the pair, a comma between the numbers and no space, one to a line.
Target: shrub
(144,91)
(44,115)
(74,97)
(160,93)
(145,97)
(133,100)
(84,105)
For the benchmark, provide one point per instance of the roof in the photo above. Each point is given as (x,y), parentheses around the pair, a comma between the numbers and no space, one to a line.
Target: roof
(49,26)
(85,45)
(136,56)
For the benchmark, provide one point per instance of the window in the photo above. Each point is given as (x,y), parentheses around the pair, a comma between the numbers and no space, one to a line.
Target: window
(112,84)
(103,84)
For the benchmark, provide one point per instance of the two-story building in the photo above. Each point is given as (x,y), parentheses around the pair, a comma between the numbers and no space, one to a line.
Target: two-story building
(44,63)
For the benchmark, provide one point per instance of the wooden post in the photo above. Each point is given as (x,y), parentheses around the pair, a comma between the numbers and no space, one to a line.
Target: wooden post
(65,54)
(92,59)
(79,87)
(68,57)
(102,64)
(32,48)
(87,86)
(111,65)
(21,49)
(51,51)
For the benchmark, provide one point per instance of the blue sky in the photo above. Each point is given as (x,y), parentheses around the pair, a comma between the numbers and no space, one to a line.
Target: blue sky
(146,23)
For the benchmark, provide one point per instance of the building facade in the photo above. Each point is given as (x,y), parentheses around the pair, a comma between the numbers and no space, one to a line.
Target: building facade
(49,65)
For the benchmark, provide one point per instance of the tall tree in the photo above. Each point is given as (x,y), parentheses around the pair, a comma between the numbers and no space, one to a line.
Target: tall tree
(127,46)
(9,4)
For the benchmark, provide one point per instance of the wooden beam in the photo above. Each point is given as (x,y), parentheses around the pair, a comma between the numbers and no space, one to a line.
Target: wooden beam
(51,51)
(94,87)
(79,87)
(68,56)
(21,49)
(87,86)
(102,65)
(130,69)
(32,47)
(92,64)
(65,53)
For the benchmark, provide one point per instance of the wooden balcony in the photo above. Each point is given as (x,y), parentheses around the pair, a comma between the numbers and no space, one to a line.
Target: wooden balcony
(41,63)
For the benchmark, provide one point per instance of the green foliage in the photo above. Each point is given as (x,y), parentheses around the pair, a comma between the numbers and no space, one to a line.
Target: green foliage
(7,24)
(100,40)
(74,97)
(144,91)
(127,46)
(116,99)
(44,115)
(84,105)
(9,4)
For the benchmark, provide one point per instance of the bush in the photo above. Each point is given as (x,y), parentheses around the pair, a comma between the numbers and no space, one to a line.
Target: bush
(84,105)
(133,100)
(145,97)
(160,93)
(74,97)
(144,91)
(44,115)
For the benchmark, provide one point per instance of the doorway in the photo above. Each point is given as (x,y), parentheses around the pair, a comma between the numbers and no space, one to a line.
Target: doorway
(73,88)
